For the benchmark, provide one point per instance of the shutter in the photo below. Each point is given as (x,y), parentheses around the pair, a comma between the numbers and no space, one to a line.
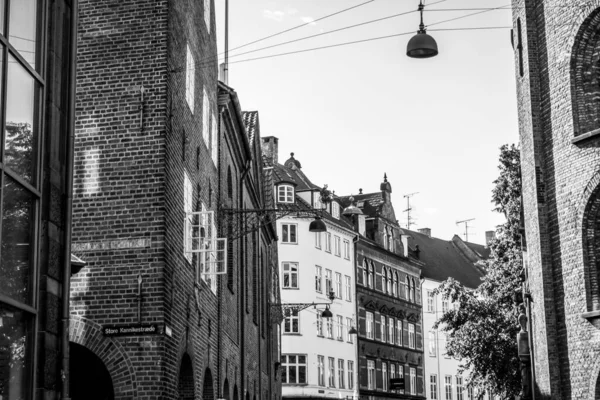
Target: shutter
(378,375)
(420,382)
(362,322)
(363,379)
(405,333)
(377,325)
(419,336)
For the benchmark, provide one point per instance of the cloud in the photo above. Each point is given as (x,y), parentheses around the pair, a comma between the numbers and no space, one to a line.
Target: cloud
(308,20)
(275,15)
(291,11)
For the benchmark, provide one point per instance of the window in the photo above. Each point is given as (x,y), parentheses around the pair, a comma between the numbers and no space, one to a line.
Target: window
(293,368)
(384,376)
(399,332)
(346,249)
(383,328)
(329,328)
(371,275)
(389,282)
(350,374)
(411,336)
(430,301)
(392,371)
(459,388)
(318,240)
(190,73)
(337,246)
(291,323)
(328,281)
(369,325)
(341,371)
(340,327)
(288,233)
(404,289)
(433,386)
(318,279)
(319,324)
(331,375)
(290,275)
(470,393)
(413,381)
(364,273)
(409,288)
(335,210)
(371,374)
(215,139)
(414,291)
(327,242)
(338,285)
(205,118)
(391,329)
(285,194)
(383,280)
(432,344)
(448,386)
(445,305)
(188,204)
(348,325)
(401,375)
(446,355)
(395,284)
(321,370)
(348,288)
(207,14)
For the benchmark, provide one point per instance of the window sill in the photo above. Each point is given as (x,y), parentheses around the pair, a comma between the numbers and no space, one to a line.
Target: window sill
(290,288)
(294,243)
(291,334)
(593,317)
(588,135)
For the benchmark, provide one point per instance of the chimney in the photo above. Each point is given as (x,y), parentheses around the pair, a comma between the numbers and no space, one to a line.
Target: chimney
(489,235)
(425,231)
(270,148)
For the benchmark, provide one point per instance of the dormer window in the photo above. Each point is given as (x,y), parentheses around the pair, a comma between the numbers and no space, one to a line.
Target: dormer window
(285,194)
(335,210)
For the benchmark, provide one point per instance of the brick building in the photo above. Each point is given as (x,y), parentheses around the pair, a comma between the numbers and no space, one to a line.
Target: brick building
(165,160)
(557,72)
(36,168)
(388,298)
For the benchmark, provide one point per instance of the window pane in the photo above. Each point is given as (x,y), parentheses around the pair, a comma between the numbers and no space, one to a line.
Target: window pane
(17,235)
(284,232)
(15,352)
(301,359)
(293,233)
(23,28)
(21,121)
(292,359)
(301,374)
(292,377)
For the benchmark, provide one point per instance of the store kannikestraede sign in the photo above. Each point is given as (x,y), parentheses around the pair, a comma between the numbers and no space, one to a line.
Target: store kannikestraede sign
(132,330)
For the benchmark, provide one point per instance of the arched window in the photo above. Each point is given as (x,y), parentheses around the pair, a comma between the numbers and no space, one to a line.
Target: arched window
(383,279)
(591,246)
(408,289)
(389,282)
(395,285)
(385,238)
(585,78)
(371,274)
(414,291)
(364,272)
(229,183)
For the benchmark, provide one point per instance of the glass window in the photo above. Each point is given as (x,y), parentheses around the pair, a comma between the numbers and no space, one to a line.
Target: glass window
(459,388)
(331,374)
(319,325)
(371,275)
(290,275)
(430,301)
(329,328)
(17,242)
(285,194)
(470,393)
(384,280)
(350,375)
(384,376)
(321,370)
(341,372)
(346,249)
(399,332)
(348,325)
(371,374)
(340,327)
(348,288)
(16,333)
(335,210)
(318,240)
(445,305)
(205,118)
(190,73)
(288,233)
(413,381)
(383,328)
(328,281)
(291,323)
(293,368)
(401,375)
(391,329)
(318,279)
(433,386)
(338,285)
(448,386)
(409,288)
(337,246)
(411,336)
(432,344)
(21,130)
(23,35)
(328,242)
(364,273)
(369,325)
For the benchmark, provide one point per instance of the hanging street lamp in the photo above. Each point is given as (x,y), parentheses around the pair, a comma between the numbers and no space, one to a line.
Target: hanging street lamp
(421,45)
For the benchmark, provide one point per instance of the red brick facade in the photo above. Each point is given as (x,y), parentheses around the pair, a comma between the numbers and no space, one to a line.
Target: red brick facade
(557,87)
(154,141)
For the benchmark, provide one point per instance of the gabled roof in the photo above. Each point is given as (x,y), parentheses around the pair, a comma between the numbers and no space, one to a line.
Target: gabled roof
(443,259)
(291,172)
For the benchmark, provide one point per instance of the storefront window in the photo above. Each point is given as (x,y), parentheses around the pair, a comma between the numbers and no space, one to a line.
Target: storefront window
(23,34)
(15,353)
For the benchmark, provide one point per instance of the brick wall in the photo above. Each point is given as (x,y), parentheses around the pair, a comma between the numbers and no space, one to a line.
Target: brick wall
(556,172)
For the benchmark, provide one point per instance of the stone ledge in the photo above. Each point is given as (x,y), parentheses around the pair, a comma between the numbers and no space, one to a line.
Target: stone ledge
(593,317)
(586,136)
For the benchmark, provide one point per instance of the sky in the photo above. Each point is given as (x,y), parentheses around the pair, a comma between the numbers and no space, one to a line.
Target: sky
(353,113)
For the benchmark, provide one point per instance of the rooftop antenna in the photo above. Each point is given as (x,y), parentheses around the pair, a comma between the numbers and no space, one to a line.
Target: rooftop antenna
(408,209)
(466,222)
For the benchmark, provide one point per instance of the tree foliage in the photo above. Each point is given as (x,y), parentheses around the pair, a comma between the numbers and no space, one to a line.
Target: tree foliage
(482,327)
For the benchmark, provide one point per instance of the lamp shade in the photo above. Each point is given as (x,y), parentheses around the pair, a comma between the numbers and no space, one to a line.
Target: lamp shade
(317,225)
(421,45)
(352,331)
(326,313)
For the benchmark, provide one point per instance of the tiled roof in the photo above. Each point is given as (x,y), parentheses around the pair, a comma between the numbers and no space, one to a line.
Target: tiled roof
(291,172)
(443,259)
(481,250)
(251,123)
(369,203)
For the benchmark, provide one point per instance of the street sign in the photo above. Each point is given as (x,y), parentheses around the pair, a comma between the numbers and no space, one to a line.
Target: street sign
(397,383)
(132,330)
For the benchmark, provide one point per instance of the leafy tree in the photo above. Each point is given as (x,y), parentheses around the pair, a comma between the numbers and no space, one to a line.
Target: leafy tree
(482,328)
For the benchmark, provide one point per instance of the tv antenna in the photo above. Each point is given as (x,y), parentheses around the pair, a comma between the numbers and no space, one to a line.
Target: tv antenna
(466,222)
(408,209)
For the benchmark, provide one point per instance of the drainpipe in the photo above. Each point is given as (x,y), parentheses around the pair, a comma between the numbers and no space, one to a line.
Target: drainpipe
(356,394)
(243,286)
(66,285)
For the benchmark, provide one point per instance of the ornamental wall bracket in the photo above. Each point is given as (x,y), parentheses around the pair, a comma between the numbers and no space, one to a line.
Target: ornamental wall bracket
(279,311)
(412,317)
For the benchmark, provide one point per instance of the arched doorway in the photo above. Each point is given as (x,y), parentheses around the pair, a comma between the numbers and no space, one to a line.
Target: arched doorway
(186,379)
(89,379)
(235,392)
(208,392)
(226,389)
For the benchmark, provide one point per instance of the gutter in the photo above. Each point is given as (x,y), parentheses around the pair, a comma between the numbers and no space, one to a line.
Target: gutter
(66,284)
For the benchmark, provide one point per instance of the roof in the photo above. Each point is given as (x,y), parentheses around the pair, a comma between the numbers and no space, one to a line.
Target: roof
(291,172)
(251,123)
(369,203)
(481,250)
(443,259)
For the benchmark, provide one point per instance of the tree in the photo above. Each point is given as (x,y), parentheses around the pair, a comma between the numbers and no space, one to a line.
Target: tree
(482,329)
